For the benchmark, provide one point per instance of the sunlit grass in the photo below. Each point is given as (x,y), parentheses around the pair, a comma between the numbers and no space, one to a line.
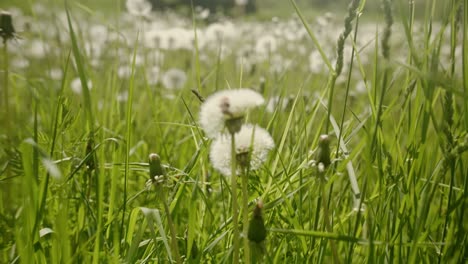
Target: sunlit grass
(91,96)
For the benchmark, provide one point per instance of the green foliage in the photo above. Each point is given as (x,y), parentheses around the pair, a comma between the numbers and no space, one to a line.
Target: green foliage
(74,165)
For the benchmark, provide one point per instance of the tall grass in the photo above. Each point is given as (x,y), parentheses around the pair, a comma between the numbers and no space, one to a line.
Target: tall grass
(74,170)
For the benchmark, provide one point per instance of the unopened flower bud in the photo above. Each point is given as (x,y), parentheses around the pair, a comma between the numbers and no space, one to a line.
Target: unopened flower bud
(7,31)
(156,170)
(323,151)
(257,230)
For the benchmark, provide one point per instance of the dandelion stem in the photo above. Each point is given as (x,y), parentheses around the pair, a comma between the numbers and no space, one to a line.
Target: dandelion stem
(5,71)
(175,247)
(235,228)
(326,219)
(245,214)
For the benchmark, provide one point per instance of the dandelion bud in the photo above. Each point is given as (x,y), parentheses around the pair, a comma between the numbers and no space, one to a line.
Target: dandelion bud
(323,152)
(157,171)
(257,230)
(91,161)
(7,31)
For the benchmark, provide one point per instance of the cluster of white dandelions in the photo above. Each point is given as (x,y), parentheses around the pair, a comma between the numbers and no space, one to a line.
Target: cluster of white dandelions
(251,141)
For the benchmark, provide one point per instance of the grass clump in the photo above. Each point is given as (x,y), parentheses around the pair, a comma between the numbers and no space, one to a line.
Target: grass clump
(368,120)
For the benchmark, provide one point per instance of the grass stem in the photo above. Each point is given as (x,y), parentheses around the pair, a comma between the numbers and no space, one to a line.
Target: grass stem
(326,218)
(170,223)
(5,84)
(245,214)
(235,225)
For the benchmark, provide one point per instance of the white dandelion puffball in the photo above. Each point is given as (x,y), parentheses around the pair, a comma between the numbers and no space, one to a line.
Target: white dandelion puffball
(224,105)
(76,85)
(241,2)
(174,79)
(250,137)
(138,7)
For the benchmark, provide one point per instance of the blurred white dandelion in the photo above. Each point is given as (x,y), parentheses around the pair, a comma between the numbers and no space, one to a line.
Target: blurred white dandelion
(278,103)
(241,2)
(266,45)
(360,88)
(316,64)
(76,85)
(20,63)
(138,7)
(174,79)
(217,32)
(152,75)
(56,73)
(251,140)
(38,49)
(225,105)
(124,71)
(202,13)
(123,96)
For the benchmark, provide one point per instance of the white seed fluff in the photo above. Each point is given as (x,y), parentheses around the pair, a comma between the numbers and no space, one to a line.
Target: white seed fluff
(250,137)
(174,79)
(235,102)
(138,7)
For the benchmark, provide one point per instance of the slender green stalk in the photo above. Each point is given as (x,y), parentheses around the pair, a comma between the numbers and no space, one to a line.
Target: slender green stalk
(352,13)
(5,84)
(170,223)
(313,37)
(465,63)
(448,124)
(326,218)
(235,225)
(128,135)
(245,214)
(348,82)
(386,54)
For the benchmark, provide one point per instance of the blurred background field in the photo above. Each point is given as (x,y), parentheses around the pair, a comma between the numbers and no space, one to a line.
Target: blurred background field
(260,9)
(87,106)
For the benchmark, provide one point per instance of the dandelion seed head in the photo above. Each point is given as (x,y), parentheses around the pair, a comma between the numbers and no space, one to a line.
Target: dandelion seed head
(123,96)
(152,74)
(360,87)
(138,7)
(56,74)
(20,63)
(241,2)
(174,79)
(38,49)
(224,105)
(76,85)
(250,138)
(202,13)
(124,71)
(266,44)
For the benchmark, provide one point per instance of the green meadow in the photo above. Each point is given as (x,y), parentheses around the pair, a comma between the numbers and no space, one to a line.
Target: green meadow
(106,154)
